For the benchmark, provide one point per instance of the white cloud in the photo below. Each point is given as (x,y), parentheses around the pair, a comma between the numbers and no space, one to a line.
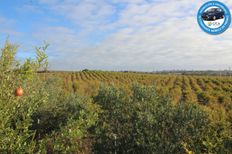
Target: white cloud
(159,35)
(61,39)
(85,13)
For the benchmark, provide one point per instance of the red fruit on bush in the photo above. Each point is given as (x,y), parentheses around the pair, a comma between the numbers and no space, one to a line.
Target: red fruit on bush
(19,91)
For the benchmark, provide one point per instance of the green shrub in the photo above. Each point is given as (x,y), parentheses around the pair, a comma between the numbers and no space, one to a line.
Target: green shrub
(66,123)
(43,120)
(15,119)
(146,123)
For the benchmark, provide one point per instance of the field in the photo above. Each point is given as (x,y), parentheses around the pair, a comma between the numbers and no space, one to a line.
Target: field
(213,93)
(110,112)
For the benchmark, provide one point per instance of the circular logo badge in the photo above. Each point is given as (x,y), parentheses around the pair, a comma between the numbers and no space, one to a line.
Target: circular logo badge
(214,17)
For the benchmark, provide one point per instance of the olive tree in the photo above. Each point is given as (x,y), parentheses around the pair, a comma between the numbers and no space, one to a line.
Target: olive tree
(146,123)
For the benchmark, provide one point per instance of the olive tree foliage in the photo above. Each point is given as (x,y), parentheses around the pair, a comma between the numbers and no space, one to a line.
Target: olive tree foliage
(147,123)
(16,112)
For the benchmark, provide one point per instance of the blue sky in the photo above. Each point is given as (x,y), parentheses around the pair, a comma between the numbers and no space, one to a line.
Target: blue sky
(143,35)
